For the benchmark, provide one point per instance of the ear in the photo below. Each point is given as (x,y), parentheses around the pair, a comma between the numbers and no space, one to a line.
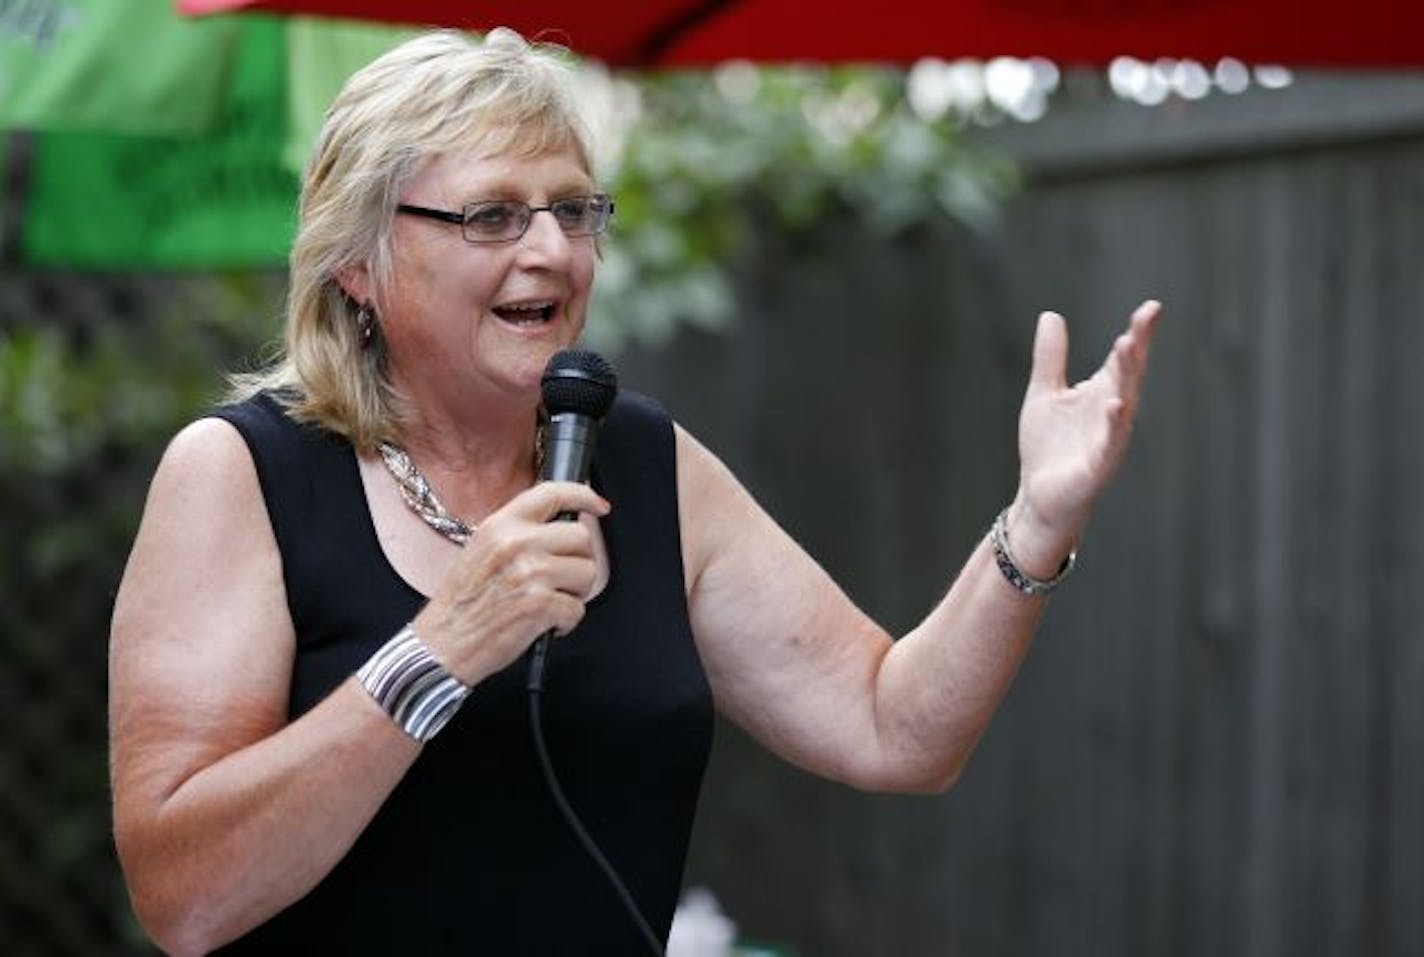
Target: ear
(355,281)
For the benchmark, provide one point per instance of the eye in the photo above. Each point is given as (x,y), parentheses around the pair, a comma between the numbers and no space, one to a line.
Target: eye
(492,218)
(573,211)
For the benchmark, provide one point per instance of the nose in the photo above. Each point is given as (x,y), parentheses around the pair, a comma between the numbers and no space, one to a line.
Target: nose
(544,241)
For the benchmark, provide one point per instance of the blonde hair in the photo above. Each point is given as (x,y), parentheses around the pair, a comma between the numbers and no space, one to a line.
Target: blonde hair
(431,95)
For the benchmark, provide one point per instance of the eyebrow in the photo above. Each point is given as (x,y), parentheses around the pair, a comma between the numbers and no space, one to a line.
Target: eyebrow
(502,189)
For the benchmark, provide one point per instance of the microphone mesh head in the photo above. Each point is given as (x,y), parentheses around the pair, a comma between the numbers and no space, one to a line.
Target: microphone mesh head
(580,382)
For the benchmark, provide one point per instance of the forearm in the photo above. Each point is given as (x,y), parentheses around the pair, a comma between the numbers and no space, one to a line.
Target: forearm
(795,663)
(937,688)
(246,836)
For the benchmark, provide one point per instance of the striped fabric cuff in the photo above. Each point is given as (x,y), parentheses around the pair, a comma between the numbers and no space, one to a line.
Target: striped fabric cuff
(411,686)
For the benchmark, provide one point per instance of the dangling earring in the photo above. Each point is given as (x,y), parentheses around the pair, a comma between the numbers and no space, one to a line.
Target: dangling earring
(365,324)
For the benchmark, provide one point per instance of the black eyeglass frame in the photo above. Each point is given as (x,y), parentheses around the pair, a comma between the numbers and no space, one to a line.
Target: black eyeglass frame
(463,217)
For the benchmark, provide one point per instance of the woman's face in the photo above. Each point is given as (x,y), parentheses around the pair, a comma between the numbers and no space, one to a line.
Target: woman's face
(460,316)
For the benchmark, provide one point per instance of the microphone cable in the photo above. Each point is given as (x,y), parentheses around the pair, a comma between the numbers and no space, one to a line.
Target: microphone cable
(578,388)
(538,658)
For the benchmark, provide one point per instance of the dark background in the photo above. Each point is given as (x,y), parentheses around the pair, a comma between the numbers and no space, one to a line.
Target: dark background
(1215,746)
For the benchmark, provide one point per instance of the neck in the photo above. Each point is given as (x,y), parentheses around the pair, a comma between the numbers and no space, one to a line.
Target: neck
(475,463)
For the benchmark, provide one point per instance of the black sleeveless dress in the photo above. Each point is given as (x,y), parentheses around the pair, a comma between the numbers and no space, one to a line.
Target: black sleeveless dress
(469,854)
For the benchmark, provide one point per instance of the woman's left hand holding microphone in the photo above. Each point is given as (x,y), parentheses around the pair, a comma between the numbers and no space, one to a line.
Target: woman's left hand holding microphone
(520,575)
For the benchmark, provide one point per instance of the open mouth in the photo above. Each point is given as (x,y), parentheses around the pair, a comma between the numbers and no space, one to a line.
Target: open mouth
(526,313)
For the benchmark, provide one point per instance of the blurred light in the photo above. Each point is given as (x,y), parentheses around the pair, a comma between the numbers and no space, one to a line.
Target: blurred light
(843,116)
(1190,80)
(966,78)
(857,107)
(930,89)
(1154,89)
(1274,77)
(1046,74)
(1031,108)
(612,106)
(1154,83)
(1012,87)
(1134,80)
(1009,83)
(1232,76)
(1021,89)
(738,81)
(1126,76)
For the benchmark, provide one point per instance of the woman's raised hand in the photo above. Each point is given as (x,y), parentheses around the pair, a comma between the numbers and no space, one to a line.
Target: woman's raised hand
(1073,438)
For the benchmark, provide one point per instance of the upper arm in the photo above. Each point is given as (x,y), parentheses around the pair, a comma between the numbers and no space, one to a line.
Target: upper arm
(201,643)
(790,658)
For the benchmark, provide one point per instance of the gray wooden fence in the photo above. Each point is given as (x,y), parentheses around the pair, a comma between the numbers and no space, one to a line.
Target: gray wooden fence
(1217,744)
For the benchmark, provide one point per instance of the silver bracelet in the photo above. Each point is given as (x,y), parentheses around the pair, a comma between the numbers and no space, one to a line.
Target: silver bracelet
(999,535)
(411,686)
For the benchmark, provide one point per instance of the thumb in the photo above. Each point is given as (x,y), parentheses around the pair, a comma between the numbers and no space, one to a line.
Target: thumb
(1050,353)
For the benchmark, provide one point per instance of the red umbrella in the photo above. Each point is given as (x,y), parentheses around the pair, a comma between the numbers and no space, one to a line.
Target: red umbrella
(1375,33)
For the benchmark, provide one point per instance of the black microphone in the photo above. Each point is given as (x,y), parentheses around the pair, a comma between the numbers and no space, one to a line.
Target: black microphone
(578,389)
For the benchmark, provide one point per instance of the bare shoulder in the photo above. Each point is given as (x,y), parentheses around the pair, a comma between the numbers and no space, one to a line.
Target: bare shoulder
(712,505)
(731,545)
(208,457)
(747,578)
(695,464)
(201,640)
(204,542)
(204,505)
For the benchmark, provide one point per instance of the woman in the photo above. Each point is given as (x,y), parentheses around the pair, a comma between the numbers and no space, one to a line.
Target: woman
(369,511)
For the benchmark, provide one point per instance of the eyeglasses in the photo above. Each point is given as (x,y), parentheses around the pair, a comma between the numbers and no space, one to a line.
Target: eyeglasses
(506,220)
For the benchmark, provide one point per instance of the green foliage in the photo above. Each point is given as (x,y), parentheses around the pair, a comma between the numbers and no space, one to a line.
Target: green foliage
(716,157)
(84,411)
(67,394)
(86,406)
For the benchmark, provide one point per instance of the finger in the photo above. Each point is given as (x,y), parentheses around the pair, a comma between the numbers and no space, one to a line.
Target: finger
(530,579)
(570,575)
(566,612)
(564,604)
(545,500)
(1117,366)
(1127,359)
(1130,351)
(1144,317)
(1050,353)
(563,538)
(1140,328)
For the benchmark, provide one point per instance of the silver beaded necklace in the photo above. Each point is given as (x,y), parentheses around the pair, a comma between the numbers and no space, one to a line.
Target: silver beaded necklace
(416,490)
(418,494)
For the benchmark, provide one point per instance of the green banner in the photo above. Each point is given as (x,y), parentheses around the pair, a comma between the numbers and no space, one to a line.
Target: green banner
(129,66)
(221,200)
(322,55)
